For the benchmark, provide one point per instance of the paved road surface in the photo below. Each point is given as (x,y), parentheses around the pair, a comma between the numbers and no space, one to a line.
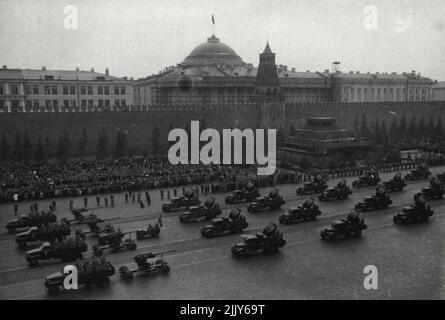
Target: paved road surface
(410,259)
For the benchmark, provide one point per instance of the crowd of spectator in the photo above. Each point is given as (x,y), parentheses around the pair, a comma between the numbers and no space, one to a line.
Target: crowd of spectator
(19,181)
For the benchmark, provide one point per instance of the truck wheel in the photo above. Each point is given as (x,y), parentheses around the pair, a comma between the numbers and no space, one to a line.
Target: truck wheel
(22,245)
(53,290)
(132,246)
(33,263)
(165,269)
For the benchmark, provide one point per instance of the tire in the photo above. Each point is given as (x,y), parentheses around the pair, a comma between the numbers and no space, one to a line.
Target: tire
(22,245)
(33,263)
(132,246)
(165,269)
(53,290)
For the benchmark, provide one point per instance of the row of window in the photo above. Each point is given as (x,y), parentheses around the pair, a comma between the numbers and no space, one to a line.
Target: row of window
(73,103)
(383,93)
(66,90)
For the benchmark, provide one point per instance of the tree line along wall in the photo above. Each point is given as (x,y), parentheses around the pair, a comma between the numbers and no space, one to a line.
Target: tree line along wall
(139,125)
(346,113)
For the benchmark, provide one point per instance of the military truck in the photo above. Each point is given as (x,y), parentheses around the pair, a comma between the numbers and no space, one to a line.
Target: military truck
(30,220)
(380,200)
(269,241)
(340,191)
(80,218)
(351,227)
(370,179)
(271,202)
(418,212)
(306,212)
(208,211)
(420,173)
(397,183)
(247,194)
(182,203)
(43,233)
(66,250)
(147,265)
(113,241)
(90,271)
(311,187)
(235,223)
(434,191)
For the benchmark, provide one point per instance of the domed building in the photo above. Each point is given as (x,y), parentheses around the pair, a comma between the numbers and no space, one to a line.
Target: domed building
(213,73)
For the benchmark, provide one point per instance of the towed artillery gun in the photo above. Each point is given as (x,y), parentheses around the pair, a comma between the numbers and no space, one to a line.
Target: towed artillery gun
(420,173)
(95,229)
(311,187)
(379,200)
(235,223)
(208,211)
(340,191)
(271,202)
(417,212)
(249,193)
(90,271)
(47,232)
(351,227)
(146,266)
(149,232)
(66,250)
(114,241)
(370,179)
(30,220)
(397,183)
(307,212)
(182,203)
(269,241)
(434,191)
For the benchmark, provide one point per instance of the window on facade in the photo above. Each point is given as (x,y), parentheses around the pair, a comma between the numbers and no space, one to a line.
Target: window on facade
(100,90)
(107,90)
(82,90)
(54,90)
(14,90)
(66,103)
(123,103)
(35,90)
(116,102)
(47,90)
(55,103)
(1,90)
(116,91)
(47,103)
(36,103)
(101,103)
(90,90)
(72,89)
(123,90)
(107,103)
(90,103)
(65,90)
(83,103)
(28,90)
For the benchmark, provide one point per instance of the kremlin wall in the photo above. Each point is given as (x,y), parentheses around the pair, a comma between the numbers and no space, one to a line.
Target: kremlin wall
(139,124)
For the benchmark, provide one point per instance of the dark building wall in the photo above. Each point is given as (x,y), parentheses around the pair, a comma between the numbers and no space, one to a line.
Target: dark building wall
(139,125)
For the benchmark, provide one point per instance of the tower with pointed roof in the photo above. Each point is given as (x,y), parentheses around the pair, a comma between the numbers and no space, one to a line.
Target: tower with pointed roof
(267,91)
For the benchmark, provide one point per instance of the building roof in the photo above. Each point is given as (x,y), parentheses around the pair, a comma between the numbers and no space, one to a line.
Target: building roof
(37,74)
(213,52)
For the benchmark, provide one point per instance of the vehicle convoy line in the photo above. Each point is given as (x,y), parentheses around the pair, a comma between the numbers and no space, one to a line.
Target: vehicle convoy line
(194,263)
(248,230)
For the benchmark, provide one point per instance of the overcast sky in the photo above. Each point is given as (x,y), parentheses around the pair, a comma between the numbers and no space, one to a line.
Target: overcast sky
(140,37)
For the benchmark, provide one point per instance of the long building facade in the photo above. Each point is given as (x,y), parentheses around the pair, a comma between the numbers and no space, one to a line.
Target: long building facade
(56,90)
(212,73)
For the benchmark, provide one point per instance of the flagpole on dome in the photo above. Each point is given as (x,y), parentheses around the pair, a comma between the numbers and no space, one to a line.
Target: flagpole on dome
(213,24)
